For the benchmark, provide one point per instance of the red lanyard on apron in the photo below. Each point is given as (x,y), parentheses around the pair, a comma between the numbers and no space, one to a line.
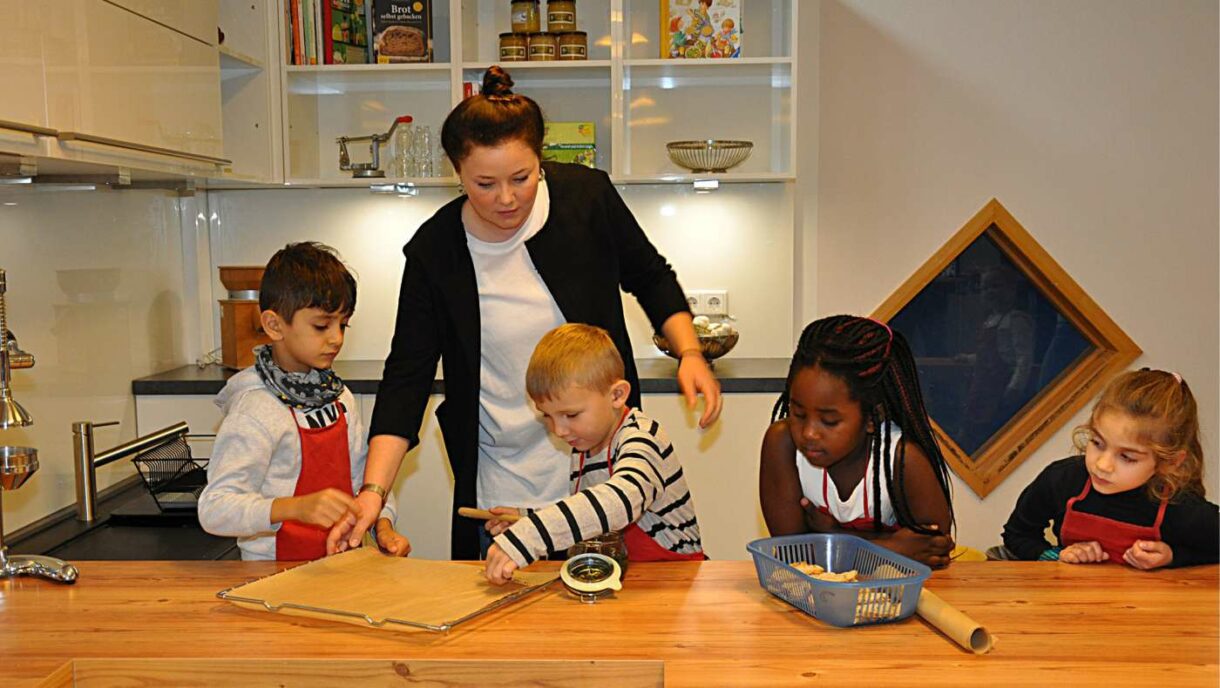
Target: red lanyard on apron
(580,473)
(1115,537)
(640,545)
(863,523)
(325,462)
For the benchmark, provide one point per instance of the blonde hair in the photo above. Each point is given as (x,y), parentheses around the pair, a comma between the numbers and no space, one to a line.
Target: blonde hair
(1165,408)
(573,355)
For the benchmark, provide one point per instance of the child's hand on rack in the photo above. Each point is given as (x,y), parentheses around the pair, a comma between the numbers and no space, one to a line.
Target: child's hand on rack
(391,541)
(496,526)
(500,567)
(1148,554)
(1083,553)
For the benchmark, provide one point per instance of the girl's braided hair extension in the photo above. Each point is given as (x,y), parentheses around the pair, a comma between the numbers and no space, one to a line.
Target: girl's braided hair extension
(880,373)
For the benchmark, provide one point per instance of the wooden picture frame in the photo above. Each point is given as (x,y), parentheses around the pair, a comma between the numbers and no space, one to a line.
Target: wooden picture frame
(1104,348)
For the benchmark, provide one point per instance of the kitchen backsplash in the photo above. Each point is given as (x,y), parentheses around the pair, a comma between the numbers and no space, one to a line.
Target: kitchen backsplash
(739,238)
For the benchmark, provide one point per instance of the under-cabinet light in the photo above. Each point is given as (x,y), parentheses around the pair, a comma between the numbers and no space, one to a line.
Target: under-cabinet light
(706,185)
(400,188)
(16,180)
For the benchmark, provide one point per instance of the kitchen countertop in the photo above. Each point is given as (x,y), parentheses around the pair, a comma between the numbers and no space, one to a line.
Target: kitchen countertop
(710,623)
(657,376)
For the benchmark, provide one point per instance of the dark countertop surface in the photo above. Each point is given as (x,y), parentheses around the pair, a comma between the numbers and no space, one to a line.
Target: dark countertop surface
(657,376)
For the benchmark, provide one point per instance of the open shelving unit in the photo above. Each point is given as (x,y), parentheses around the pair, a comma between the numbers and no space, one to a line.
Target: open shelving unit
(638,100)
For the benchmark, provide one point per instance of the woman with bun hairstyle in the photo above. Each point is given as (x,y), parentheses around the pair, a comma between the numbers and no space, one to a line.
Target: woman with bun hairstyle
(529,246)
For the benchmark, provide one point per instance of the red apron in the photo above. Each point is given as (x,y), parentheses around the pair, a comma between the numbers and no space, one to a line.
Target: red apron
(325,462)
(865,522)
(640,547)
(1115,537)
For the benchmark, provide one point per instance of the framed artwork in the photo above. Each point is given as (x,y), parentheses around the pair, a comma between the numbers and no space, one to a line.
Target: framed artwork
(1007,345)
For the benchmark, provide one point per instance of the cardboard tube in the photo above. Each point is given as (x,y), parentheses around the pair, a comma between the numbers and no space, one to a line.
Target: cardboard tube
(960,628)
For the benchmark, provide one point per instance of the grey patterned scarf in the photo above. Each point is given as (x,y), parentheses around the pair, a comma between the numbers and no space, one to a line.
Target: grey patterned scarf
(304,391)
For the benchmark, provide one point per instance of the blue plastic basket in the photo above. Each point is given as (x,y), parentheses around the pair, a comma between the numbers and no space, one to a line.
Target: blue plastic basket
(887,590)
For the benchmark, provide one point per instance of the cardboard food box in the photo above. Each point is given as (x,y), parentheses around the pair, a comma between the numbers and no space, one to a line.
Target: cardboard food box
(574,142)
(697,29)
(402,30)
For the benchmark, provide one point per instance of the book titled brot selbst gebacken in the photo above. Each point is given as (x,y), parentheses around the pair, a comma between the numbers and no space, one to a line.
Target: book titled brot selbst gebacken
(402,30)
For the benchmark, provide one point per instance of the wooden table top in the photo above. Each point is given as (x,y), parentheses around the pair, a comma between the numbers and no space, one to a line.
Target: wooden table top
(709,622)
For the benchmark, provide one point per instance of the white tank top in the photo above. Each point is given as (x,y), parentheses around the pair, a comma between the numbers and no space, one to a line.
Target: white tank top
(819,488)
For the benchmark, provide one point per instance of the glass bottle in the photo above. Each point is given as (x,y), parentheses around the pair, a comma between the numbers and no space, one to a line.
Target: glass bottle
(421,152)
(403,136)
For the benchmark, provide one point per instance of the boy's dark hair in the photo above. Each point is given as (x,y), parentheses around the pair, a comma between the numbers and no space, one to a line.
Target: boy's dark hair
(307,275)
(494,116)
(879,370)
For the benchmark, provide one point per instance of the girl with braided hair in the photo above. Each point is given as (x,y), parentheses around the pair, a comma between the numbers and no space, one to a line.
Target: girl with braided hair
(850,448)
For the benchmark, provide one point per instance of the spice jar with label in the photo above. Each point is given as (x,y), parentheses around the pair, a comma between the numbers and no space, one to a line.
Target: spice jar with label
(514,47)
(542,46)
(573,45)
(525,16)
(560,16)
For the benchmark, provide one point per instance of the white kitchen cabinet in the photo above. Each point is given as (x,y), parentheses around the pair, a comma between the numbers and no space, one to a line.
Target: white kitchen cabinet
(195,18)
(23,109)
(638,101)
(250,91)
(123,88)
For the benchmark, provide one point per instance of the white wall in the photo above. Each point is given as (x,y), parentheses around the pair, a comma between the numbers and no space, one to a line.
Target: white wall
(95,292)
(1094,122)
(739,238)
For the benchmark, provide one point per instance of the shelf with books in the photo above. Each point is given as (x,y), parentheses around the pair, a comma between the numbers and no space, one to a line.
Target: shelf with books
(438,67)
(637,100)
(325,32)
(752,28)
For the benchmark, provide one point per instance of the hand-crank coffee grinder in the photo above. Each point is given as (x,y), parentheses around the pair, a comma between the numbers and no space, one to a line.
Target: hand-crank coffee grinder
(17,464)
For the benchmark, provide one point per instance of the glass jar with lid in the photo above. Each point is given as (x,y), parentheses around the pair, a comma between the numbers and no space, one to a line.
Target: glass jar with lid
(542,46)
(525,16)
(560,16)
(610,544)
(514,47)
(573,45)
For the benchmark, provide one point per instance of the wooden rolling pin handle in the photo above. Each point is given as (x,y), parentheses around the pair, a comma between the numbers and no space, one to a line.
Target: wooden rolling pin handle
(485,515)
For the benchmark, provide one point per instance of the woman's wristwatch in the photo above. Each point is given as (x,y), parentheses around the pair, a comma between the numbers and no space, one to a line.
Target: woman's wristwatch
(375,489)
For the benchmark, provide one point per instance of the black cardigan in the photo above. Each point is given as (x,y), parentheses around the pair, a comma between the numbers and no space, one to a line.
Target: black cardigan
(589,247)
(1191,526)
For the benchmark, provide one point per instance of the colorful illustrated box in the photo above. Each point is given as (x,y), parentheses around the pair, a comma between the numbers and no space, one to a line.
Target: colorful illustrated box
(574,142)
(696,29)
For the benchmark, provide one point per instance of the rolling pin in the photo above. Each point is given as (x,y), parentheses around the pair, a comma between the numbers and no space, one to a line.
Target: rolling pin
(485,515)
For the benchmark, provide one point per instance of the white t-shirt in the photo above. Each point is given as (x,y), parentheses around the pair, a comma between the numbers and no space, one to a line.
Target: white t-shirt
(519,463)
(820,489)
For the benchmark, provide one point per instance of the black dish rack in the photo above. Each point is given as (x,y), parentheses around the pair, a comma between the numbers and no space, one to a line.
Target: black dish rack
(173,477)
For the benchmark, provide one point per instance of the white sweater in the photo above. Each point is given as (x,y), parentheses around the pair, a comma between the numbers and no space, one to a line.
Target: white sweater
(257,458)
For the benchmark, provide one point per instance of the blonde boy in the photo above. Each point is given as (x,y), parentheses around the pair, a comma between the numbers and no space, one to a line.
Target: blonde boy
(625,475)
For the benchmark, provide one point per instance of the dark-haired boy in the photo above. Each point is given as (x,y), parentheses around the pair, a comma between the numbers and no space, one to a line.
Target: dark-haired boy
(290,452)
